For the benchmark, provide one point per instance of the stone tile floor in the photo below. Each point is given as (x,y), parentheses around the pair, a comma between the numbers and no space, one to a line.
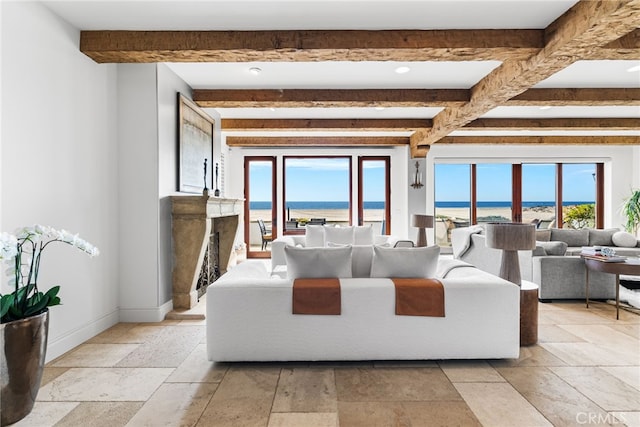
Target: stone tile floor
(585,370)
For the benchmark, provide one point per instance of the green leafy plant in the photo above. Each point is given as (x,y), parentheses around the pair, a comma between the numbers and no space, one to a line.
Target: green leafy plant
(631,210)
(579,216)
(23,252)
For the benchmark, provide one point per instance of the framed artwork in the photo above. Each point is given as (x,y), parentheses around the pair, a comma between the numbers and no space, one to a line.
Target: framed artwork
(195,147)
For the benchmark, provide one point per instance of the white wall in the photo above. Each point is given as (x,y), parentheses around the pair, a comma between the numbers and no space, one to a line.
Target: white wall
(399,181)
(621,166)
(148,129)
(417,197)
(59,163)
(138,189)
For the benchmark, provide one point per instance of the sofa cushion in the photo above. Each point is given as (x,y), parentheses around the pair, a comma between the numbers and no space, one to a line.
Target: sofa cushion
(341,235)
(314,236)
(361,256)
(543,235)
(318,262)
(571,237)
(624,239)
(405,262)
(363,235)
(601,237)
(553,248)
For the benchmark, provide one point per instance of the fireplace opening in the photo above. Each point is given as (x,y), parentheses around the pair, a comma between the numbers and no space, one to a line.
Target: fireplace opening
(210,269)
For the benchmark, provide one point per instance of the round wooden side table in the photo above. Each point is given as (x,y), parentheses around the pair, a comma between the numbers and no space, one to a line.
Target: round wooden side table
(617,268)
(528,313)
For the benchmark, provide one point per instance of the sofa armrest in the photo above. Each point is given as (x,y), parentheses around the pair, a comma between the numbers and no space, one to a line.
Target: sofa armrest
(277,250)
(490,259)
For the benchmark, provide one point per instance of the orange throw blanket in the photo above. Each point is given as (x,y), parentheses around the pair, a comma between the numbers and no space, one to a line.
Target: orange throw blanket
(316,296)
(419,297)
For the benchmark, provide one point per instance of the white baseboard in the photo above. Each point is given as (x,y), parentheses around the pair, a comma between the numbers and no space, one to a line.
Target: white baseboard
(146,314)
(74,338)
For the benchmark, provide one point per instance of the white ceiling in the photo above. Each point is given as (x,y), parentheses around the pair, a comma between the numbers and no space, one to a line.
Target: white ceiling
(359,14)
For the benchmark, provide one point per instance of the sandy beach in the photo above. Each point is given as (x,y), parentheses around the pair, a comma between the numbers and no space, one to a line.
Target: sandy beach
(376,215)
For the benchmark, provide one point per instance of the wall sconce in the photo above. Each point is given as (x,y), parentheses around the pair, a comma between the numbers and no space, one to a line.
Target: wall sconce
(417,178)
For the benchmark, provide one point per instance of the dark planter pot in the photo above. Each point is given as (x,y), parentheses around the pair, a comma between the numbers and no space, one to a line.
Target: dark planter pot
(24,347)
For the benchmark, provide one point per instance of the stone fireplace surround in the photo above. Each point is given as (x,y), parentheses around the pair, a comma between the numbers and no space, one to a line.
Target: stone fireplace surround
(194,219)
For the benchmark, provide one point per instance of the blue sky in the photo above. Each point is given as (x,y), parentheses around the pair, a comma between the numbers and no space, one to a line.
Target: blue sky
(317,180)
(328,180)
(494,182)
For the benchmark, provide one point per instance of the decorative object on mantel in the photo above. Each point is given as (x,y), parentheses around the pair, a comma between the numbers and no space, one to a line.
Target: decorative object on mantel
(205,189)
(421,222)
(510,237)
(217,190)
(417,177)
(24,316)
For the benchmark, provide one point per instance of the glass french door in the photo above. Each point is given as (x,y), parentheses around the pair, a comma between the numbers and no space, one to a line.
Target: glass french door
(374,207)
(260,226)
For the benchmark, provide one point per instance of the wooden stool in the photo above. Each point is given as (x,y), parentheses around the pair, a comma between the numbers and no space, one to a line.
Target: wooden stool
(528,313)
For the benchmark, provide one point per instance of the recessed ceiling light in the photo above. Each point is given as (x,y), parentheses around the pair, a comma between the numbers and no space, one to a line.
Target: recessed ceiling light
(545,107)
(633,69)
(255,70)
(402,70)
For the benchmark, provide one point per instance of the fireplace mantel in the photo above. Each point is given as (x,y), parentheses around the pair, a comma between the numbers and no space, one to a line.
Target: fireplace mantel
(194,219)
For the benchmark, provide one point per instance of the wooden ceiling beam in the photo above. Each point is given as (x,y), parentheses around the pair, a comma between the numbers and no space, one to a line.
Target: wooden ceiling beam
(577,97)
(544,140)
(313,141)
(312,45)
(324,124)
(555,124)
(307,98)
(253,125)
(583,28)
(626,47)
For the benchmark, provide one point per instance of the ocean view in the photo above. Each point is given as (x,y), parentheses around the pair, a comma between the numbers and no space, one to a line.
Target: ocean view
(380,205)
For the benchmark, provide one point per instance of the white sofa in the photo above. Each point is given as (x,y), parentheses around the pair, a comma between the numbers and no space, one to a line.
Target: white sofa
(249,318)
(361,235)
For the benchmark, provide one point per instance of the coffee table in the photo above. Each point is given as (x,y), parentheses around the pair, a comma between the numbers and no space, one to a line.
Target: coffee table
(616,268)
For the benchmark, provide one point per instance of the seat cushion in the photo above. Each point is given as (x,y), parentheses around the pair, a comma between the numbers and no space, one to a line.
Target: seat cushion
(571,237)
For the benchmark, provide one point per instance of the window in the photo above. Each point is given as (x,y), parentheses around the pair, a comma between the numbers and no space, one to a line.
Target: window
(539,194)
(317,190)
(579,195)
(373,202)
(260,213)
(529,192)
(493,192)
(452,200)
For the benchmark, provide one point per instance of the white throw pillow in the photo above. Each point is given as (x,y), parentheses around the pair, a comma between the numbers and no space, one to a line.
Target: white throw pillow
(314,236)
(624,240)
(405,262)
(363,235)
(340,235)
(361,256)
(317,262)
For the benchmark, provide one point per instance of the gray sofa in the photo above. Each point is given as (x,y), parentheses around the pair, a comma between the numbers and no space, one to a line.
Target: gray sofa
(555,264)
